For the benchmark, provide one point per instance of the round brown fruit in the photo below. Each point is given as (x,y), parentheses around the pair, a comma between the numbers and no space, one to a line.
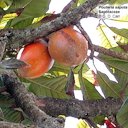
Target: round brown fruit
(68,47)
(37,57)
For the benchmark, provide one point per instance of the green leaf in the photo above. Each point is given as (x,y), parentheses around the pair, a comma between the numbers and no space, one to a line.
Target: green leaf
(36,9)
(88,89)
(106,37)
(23,24)
(120,67)
(48,86)
(122,116)
(6,101)
(12,115)
(58,69)
(91,92)
(118,2)
(109,88)
(32,10)
(121,32)
(81,1)
(83,124)
(17,4)
(12,64)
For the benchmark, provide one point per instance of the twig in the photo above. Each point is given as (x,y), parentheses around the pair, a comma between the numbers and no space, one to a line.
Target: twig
(110,52)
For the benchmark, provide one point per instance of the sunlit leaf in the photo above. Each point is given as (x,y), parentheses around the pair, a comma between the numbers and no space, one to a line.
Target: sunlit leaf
(122,116)
(106,37)
(118,2)
(6,18)
(83,124)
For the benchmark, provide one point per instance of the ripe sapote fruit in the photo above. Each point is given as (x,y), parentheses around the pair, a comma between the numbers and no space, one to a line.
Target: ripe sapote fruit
(38,60)
(68,47)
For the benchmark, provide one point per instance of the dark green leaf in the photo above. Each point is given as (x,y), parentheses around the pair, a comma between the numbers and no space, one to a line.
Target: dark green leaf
(58,69)
(91,92)
(109,88)
(12,115)
(17,4)
(122,32)
(6,101)
(32,10)
(51,87)
(119,69)
(88,89)
(12,64)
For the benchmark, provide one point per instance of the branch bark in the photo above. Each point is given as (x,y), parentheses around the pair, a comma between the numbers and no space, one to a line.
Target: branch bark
(14,37)
(27,103)
(4,124)
(77,108)
(54,107)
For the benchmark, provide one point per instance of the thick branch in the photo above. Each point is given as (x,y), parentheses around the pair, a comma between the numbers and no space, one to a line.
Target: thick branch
(66,19)
(4,124)
(55,107)
(76,108)
(26,102)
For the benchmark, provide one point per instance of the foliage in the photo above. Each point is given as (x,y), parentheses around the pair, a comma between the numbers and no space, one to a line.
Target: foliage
(25,13)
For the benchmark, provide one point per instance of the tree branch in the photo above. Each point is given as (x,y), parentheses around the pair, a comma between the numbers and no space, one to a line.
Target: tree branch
(14,37)
(4,124)
(77,108)
(55,107)
(110,52)
(27,103)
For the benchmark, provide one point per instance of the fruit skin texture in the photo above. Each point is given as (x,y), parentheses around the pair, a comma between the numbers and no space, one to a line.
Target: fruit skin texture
(68,47)
(37,57)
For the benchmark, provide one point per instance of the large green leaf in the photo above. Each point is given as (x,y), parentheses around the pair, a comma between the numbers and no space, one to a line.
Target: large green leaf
(50,87)
(91,92)
(88,89)
(119,69)
(106,37)
(109,88)
(32,10)
(122,116)
(121,32)
(17,4)
(20,25)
